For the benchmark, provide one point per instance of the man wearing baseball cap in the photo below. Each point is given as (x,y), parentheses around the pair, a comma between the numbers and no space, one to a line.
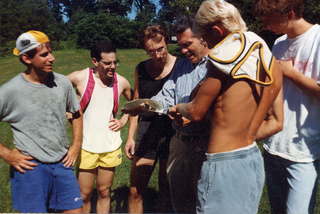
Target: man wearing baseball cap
(34,103)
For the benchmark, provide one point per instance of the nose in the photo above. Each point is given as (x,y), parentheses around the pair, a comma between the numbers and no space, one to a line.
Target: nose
(113,65)
(184,50)
(51,58)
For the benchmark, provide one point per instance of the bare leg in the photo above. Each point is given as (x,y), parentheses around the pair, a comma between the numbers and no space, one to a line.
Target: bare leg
(141,170)
(104,183)
(86,181)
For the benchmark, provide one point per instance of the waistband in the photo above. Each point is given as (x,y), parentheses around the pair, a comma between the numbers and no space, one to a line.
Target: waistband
(238,154)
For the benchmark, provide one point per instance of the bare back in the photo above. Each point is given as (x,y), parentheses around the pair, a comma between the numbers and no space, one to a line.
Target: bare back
(231,116)
(236,108)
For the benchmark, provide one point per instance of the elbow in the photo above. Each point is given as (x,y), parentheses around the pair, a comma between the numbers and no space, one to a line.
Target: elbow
(277,127)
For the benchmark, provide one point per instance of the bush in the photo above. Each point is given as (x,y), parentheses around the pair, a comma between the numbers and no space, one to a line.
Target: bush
(103,26)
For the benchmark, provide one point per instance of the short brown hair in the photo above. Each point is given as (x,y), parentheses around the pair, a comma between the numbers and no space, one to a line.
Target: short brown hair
(155,33)
(269,7)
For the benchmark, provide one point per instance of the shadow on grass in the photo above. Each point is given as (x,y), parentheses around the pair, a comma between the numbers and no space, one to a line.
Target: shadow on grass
(119,200)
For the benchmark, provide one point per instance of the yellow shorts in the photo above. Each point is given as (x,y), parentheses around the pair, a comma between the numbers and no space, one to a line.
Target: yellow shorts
(89,160)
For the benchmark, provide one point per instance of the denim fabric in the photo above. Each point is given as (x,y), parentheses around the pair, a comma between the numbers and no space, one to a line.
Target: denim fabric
(291,185)
(231,182)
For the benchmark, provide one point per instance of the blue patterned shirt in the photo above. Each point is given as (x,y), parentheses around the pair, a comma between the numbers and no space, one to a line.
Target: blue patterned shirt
(178,88)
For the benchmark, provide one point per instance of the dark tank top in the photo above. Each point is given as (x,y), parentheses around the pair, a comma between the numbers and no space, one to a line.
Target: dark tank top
(152,124)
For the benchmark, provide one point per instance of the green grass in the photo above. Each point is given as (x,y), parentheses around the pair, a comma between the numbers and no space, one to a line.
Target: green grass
(66,62)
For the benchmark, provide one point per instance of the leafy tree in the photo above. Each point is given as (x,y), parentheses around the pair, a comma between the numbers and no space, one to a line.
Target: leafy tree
(18,16)
(103,26)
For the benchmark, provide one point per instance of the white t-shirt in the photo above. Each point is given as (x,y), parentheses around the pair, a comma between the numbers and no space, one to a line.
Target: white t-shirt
(299,140)
(97,137)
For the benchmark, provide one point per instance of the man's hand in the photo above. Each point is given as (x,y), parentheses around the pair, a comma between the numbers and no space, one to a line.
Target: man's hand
(20,161)
(129,148)
(177,117)
(71,156)
(116,125)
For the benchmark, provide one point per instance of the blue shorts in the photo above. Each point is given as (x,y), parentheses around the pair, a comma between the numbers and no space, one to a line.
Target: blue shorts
(231,182)
(48,186)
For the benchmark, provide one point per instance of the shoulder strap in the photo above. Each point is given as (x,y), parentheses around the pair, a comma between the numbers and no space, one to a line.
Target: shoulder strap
(85,99)
(115,95)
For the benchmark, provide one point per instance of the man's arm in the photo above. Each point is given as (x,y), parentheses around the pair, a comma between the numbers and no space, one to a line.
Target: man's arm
(133,122)
(207,93)
(116,125)
(269,94)
(308,85)
(16,159)
(73,152)
(274,121)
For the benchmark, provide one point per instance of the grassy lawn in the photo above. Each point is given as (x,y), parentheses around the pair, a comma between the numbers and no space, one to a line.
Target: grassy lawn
(66,62)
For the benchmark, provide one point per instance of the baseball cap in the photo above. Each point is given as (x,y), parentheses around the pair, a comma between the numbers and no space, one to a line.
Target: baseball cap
(28,41)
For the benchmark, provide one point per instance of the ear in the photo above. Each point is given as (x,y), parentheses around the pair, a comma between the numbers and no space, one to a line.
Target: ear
(95,62)
(218,30)
(26,59)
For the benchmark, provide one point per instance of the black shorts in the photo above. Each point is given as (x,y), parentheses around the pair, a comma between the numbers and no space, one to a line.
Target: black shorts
(153,138)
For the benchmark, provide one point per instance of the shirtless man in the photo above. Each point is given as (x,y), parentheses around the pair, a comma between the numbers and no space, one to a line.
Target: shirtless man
(101,151)
(232,177)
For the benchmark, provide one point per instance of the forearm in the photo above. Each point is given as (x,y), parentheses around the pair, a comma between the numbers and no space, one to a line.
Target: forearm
(268,128)
(185,110)
(124,119)
(77,126)
(308,85)
(133,124)
(4,152)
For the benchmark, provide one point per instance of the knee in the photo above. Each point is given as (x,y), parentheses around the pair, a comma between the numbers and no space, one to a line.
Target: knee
(134,194)
(86,195)
(104,192)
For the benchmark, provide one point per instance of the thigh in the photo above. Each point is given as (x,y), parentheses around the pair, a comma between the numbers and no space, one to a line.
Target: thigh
(86,180)
(30,190)
(66,191)
(302,183)
(105,178)
(141,170)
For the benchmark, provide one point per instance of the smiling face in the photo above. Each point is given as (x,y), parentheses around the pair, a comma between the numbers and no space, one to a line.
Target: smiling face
(43,59)
(107,65)
(191,46)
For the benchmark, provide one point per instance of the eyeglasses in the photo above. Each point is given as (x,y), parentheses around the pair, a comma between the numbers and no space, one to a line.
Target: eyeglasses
(108,64)
(158,50)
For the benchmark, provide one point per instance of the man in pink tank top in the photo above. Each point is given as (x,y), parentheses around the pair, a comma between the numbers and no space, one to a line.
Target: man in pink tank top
(99,89)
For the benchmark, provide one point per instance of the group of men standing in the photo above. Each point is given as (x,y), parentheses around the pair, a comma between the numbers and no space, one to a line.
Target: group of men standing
(227,94)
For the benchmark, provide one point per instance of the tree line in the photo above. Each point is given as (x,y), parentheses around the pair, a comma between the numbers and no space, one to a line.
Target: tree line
(82,22)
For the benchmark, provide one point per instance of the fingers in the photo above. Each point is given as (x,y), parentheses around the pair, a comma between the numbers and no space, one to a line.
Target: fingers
(115,125)
(69,160)
(129,150)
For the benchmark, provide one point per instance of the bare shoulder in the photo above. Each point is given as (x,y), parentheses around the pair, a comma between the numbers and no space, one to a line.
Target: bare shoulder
(123,82)
(78,76)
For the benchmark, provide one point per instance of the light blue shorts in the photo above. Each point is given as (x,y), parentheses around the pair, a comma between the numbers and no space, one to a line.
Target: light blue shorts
(231,182)
(47,186)
(291,185)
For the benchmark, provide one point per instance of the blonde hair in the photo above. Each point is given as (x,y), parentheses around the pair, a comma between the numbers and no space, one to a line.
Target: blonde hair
(219,11)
